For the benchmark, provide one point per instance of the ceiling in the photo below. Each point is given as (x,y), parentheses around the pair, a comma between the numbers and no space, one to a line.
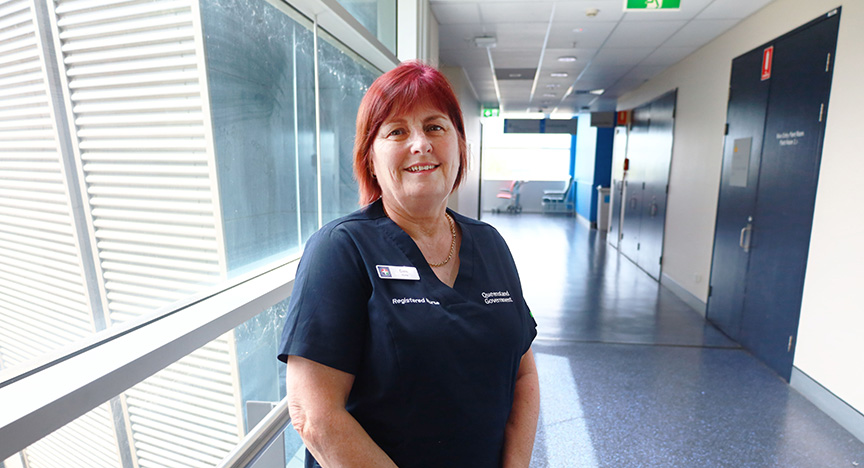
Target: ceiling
(614,51)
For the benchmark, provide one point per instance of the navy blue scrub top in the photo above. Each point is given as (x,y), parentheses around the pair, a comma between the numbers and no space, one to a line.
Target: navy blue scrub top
(435,367)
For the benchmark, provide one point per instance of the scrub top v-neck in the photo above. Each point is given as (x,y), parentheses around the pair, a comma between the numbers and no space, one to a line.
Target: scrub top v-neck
(434,366)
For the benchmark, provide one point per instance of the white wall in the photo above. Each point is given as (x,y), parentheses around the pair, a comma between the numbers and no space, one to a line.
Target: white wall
(829,348)
(467,199)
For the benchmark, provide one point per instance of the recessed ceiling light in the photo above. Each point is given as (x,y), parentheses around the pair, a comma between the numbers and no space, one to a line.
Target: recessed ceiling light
(558,75)
(514,75)
(553,85)
(548,95)
(597,91)
(485,41)
(568,58)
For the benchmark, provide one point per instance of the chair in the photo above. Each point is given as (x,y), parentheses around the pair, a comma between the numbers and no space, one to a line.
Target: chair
(558,201)
(511,194)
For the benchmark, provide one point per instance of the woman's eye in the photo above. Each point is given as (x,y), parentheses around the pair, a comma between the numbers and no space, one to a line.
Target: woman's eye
(396,132)
(435,128)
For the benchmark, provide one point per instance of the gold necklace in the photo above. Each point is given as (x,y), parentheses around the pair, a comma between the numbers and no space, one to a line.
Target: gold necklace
(452,242)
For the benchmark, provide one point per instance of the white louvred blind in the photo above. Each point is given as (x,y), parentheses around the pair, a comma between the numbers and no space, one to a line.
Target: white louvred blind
(139,123)
(43,298)
(43,293)
(135,89)
(184,415)
(88,441)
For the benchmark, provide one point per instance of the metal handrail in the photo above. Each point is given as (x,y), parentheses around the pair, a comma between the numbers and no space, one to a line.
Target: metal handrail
(259,439)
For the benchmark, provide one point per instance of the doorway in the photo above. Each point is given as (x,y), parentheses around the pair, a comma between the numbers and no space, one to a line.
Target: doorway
(646,184)
(778,100)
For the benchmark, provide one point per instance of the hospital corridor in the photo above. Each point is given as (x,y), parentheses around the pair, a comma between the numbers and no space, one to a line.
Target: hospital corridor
(631,376)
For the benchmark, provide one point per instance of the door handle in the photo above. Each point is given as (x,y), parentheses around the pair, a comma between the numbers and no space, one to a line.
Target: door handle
(746,235)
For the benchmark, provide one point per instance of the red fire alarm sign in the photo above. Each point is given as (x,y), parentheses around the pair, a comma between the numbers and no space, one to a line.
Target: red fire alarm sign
(767,58)
(623,118)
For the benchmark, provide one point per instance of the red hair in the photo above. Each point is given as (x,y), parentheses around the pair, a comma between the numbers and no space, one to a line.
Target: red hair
(397,91)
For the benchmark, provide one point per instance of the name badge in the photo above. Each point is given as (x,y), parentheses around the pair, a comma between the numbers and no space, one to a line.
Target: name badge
(397,272)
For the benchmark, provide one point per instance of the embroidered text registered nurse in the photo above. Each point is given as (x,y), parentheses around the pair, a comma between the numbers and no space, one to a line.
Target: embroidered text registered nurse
(408,341)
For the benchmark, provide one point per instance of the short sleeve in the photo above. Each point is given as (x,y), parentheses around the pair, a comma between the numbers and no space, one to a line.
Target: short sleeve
(327,314)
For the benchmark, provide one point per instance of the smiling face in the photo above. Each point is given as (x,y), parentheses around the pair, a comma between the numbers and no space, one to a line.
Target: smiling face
(415,158)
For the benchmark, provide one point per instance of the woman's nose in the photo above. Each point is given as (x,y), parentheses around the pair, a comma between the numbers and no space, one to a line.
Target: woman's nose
(420,143)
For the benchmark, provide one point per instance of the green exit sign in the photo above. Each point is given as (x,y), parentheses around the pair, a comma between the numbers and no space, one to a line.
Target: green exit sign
(490,112)
(652,4)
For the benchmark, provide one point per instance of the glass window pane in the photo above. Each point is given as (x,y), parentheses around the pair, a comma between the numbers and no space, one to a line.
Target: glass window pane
(344,79)
(259,67)
(190,414)
(44,295)
(168,201)
(505,154)
(378,16)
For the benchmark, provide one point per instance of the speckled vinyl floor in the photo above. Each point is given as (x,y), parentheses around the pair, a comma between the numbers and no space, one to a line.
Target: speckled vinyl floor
(632,377)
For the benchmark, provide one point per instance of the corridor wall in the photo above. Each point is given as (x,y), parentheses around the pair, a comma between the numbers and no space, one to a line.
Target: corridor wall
(467,199)
(828,351)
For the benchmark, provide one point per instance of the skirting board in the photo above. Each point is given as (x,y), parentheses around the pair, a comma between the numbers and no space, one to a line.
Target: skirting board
(830,404)
(694,302)
(584,221)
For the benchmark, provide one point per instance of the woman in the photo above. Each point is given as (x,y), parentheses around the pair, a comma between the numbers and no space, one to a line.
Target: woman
(407,339)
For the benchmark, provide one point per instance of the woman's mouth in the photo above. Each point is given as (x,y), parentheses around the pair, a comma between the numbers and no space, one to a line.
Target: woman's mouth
(421,168)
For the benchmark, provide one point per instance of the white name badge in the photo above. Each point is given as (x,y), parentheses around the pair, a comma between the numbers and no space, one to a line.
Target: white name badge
(397,272)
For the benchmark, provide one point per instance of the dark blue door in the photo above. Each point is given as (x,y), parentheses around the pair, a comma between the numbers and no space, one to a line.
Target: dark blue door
(638,143)
(757,285)
(791,154)
(649,149)
(619,154)
(656,182)
(736,205)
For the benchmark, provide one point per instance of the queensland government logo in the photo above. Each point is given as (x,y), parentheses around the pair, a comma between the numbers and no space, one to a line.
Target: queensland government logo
(495,297)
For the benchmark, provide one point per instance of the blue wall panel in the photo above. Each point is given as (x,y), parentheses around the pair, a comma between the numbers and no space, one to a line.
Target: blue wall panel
(593,165)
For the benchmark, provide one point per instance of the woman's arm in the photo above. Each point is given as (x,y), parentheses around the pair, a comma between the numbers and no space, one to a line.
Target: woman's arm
(316,402)
(522,424)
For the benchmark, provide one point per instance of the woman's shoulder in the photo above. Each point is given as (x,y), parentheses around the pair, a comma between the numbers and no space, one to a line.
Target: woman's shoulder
(344,231)
(338,244)
(363,218)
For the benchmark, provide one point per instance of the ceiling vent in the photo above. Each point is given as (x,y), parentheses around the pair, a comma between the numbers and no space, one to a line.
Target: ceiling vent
(515,73)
